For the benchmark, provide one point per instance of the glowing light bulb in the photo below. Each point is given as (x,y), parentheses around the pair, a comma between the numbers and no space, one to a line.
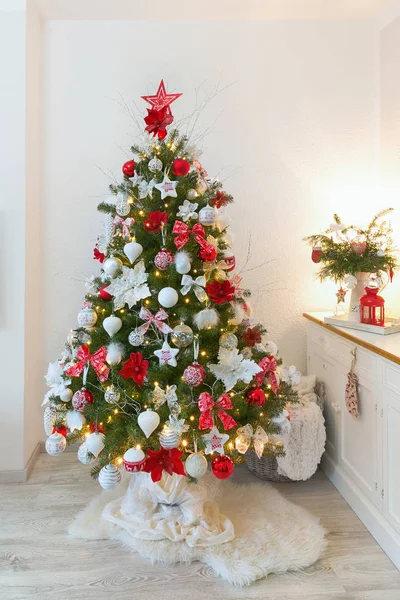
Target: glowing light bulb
(138,447)
(116,411)
(184,443)
(191,418)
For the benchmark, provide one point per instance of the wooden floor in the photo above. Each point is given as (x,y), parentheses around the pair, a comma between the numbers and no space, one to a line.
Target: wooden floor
(40,562)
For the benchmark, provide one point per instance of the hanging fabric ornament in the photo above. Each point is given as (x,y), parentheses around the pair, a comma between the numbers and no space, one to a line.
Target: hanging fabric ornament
(128,168)
(49,418)
(122,205)
(182,262)
(109,477)
(164,259)
(222,467)
(81,398)
(208,215)
(215,441)
(74,420)
(112,324)
(244,437)
(168,297)
(156,320)
(206,319)
(148,421)
(133,250)
(169,438)
(55,444)
(166,355)
(196,285)
(112,395)
(196,465)
(228,341)
(134,460)
(155,165)
(87,317)
(167,188)
(136,338)
(84,456)
(111,266)
(95,443)
(182,336)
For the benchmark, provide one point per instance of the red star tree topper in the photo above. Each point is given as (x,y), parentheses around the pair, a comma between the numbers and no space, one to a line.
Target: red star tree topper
(161,99)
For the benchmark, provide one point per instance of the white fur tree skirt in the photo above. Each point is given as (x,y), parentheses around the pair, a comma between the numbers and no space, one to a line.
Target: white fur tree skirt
(271,535)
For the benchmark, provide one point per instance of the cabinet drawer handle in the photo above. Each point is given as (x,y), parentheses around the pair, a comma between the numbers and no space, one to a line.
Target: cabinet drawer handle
(324,366)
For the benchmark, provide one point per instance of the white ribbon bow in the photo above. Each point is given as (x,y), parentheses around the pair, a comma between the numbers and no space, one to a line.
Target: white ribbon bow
(245,435)
(169,396)
(197,284)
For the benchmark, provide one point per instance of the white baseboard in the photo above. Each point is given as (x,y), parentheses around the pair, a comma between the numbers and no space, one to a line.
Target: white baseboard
(386,536)
(22,475)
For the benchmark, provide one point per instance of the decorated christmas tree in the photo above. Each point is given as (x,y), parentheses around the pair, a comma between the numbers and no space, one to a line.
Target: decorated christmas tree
(167,369)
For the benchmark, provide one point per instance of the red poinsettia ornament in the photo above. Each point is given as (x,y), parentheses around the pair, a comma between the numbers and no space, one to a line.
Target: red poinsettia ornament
(255,396)
(163,460)
(135,368)
(220,291)
(220,199)
(180,167)
(157,122)
(97,255)
(155,220)
(251,336)
(207,253)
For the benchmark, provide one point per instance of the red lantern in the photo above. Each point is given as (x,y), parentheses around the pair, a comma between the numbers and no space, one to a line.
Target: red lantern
(316,254)
(372,307)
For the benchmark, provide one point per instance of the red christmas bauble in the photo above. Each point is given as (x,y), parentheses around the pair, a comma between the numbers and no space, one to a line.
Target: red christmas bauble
(316,254)
(180,167)
(207,254)
(194,375)
(103,294)
(222,466)
(255,396)
(358,247)
(164,259)
(61,429)
(81,398)
(128,168)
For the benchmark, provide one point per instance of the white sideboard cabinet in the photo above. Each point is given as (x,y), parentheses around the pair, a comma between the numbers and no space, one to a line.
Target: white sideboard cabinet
(362,457)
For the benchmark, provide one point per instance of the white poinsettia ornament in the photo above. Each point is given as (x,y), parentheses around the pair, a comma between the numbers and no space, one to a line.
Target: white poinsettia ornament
(187,210)
(55,381)
(233,367)
(130,286)
(290,375)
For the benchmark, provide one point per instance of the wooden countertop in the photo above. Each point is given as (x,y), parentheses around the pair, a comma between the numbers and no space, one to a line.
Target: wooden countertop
(387,346)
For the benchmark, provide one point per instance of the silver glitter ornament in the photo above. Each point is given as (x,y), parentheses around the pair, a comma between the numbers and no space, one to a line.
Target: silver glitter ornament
(169,439)
(191,194)
(228,341)
(135,338)
(155,165)
(111,395)
(182,336)
(122,205)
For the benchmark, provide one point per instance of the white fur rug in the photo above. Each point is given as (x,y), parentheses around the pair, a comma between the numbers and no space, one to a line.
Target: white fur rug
(272,535)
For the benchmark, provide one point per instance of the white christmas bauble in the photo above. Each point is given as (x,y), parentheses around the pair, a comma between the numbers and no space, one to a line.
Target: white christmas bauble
(114,354)
(196,465)
(112,324)
(49,419)
(134,460)
(169,439)
(380,253)
(112,265)
(155,165)
(201,186)
(271,347)
(122,205)
(55,444)
(75,420)
(133,250)
(182,263)
(207,215)
(148,421)
(191,194)
(87,317)
(109,477)
(168,297)
(66,395)
(111,395)
(95,443)
(84,455)
(135,338)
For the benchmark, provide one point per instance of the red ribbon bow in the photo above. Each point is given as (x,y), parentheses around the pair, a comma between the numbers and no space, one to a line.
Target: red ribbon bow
(183,233)
(96,360)
(268,365)
(206,404)
(124,224)
(156,320)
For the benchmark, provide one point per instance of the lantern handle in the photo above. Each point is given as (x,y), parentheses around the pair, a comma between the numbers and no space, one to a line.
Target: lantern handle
(354,355)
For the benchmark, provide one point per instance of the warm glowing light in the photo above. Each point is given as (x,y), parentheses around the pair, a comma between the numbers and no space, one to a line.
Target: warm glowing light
(203,353)
(187,300)
(166,205)
(141,213)
(147,301)
(122,311)
(130,200)
(155,383)
(145,405)
(230,445)
(138,447)
(191,418)
(261,414)
(119,460)
(116,411)
(157,273)
(232,394)
(184,443)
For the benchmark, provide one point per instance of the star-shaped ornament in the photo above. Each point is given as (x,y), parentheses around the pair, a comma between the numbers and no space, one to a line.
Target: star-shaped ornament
(161,99)
(166,355)
(167,188)
(215,441)
(341,295)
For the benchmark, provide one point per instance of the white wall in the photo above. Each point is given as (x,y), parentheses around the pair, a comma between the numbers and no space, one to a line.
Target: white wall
(298,126)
